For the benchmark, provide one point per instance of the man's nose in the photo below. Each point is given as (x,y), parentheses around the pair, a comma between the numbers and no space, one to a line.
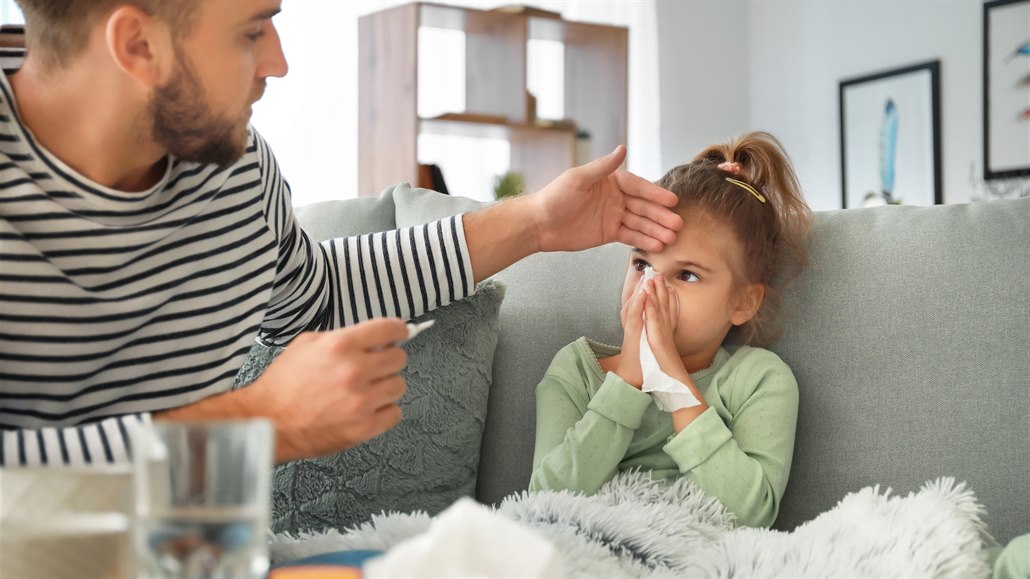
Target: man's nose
(273,60)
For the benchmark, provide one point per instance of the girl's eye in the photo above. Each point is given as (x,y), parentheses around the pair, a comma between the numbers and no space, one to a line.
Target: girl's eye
(688,276)
(639,265)
(254,36)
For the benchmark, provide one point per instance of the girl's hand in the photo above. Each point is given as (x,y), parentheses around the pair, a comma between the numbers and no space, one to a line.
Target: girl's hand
(628,365)
(661,322)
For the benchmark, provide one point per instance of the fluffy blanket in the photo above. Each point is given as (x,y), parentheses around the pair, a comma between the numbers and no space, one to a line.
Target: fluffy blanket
(634,527)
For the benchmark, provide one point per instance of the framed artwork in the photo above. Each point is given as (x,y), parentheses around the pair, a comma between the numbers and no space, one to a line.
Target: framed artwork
(890,137)
(1006,89)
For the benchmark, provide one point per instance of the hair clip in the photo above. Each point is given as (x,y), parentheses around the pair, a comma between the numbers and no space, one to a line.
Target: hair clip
(747,188)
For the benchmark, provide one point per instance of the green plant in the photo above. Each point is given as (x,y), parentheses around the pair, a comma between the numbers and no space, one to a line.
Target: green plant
(509,185)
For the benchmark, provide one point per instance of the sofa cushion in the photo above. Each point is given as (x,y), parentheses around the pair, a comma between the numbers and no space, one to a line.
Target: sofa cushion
(415,206)
(331,219)
(426,462)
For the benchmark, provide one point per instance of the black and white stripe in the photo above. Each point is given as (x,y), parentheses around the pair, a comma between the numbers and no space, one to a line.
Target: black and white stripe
(115,305)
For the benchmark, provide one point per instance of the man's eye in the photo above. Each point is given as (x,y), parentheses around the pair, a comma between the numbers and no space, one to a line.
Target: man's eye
(254,36)
(688,276)
(639,265)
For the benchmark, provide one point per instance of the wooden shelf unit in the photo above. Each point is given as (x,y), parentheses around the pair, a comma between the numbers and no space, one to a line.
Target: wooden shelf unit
(496,99)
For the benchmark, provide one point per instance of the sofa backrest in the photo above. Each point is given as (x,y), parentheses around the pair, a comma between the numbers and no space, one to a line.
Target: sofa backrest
(910,339)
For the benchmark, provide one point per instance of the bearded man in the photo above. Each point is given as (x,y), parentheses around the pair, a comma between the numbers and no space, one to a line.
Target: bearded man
(147,239)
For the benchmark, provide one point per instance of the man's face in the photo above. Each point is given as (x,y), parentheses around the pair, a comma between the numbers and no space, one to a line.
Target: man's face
(201,113)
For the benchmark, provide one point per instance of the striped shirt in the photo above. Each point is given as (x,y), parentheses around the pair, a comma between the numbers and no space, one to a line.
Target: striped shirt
(114,305)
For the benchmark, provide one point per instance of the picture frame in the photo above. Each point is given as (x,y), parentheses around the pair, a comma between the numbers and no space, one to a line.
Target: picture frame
(1006,89)
(890,137)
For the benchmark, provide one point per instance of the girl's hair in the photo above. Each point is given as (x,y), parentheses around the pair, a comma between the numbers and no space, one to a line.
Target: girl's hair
(772,233)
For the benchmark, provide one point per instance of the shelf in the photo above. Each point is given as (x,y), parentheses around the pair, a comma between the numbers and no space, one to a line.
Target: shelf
(487,126)
(422,59)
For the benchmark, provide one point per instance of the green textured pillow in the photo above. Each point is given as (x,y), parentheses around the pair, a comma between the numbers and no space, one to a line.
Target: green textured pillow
(430,459)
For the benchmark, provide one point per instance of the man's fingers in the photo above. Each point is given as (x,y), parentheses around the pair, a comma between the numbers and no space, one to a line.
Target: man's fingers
(641,188)
(655,212)
(373,334)
(603,166)
(649,228)
(634,238)
(389,390)
(375,423)
(385,362)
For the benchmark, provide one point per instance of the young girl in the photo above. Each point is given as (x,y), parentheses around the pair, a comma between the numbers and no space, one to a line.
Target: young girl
(710,306)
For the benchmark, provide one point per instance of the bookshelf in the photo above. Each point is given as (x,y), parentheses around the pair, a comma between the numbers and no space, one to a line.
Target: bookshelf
(484,60)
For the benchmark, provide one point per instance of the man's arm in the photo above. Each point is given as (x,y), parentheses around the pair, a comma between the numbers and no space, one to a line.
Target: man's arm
(584,207)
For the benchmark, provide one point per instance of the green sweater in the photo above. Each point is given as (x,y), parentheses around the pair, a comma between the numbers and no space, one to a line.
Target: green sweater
(591,425)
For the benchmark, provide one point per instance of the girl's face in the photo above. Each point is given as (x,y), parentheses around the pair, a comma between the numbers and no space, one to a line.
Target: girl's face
(698,265)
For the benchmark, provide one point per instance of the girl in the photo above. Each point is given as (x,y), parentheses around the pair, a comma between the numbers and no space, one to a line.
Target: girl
(710,306)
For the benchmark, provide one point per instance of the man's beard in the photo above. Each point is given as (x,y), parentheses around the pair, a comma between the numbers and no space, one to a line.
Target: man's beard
(183,125)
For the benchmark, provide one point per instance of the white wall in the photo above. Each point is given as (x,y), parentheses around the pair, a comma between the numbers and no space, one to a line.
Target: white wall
(704,53)
(797,54)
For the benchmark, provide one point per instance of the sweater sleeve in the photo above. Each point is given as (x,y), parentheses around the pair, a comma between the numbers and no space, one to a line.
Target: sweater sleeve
(579,441)
(319,286)
(104,442)
(744,459)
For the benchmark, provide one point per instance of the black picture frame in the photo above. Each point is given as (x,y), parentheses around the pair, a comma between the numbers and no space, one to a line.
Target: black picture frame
(916,142)
(1006,148)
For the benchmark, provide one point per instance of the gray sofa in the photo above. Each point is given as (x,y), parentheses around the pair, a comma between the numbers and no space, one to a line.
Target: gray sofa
(909,334)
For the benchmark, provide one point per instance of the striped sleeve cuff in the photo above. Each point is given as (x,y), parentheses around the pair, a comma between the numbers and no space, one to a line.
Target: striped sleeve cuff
(105,442)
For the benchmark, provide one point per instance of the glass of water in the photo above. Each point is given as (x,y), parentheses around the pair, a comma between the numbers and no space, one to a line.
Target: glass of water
(202,499)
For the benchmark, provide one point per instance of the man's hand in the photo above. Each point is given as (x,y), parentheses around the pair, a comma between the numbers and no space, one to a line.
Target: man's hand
(327,392)
(584,207)
(598,203)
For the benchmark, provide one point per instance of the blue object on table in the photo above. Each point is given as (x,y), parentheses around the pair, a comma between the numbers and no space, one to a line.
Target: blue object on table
(349,558)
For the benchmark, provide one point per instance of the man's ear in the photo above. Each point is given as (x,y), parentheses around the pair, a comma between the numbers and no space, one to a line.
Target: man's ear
(748,301)
(139,44)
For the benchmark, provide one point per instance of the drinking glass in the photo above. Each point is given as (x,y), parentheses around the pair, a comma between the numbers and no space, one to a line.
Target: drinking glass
(202,499)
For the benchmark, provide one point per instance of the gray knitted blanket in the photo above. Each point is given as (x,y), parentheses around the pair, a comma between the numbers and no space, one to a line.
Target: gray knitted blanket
(635,527)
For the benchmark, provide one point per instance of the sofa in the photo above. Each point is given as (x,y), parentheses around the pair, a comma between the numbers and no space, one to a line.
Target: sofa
(909,335)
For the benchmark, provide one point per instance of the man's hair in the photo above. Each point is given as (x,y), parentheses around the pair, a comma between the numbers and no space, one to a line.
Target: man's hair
(55,30)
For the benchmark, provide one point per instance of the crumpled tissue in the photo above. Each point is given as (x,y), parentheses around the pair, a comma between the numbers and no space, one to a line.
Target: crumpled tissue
(669,394)
(469,540)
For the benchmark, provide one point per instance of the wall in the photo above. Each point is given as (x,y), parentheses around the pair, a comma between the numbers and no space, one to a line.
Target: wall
(797,53)
(704,54)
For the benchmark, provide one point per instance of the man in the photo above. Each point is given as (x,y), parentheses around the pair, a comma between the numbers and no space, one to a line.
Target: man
(147,238)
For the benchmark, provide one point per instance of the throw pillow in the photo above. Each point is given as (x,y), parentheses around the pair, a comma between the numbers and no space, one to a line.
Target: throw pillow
(431,458)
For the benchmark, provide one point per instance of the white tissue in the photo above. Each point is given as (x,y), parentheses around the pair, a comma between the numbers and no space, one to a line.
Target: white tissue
(469,540)
(669,393)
